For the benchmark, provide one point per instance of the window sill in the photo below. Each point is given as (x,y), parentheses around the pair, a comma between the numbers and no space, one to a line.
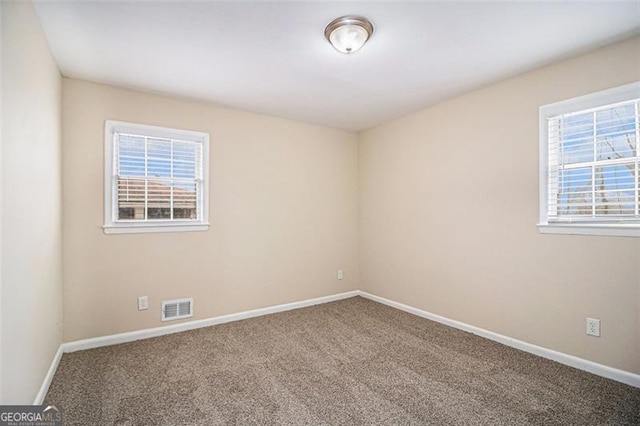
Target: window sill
(619,230)
(137,228)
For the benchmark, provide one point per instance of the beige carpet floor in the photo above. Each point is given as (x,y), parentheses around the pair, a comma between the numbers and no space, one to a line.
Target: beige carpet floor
(349,362)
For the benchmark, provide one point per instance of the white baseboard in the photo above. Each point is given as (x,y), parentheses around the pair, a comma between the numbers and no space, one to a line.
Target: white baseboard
(570,360)
(131,336)
(47,379)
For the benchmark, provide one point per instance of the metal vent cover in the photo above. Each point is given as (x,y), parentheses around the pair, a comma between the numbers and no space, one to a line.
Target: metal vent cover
(177,309)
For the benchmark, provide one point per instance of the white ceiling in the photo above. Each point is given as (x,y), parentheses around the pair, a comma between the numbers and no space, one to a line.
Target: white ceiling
(273,58)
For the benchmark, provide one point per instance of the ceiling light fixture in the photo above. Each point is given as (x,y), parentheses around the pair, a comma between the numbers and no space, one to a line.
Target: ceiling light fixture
(348,33)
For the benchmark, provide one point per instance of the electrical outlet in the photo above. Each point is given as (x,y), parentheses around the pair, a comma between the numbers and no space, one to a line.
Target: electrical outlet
(593,327)
(340,274)
(143,303)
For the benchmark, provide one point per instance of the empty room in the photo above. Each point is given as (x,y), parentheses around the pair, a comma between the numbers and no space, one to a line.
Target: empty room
(320,213)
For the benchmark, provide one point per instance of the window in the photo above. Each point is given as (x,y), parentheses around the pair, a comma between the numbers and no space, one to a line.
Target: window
(155,179)
(589,164)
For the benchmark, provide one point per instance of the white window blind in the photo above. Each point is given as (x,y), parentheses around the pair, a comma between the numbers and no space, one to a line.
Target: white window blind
(156,179)
(593,162)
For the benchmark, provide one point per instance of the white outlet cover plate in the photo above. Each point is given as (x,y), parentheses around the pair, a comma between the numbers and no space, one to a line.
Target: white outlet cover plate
(143,303)
(593,327)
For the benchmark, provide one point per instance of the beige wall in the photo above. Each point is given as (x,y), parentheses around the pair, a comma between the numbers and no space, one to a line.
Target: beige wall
(283,213)
(449,205)
(31,314)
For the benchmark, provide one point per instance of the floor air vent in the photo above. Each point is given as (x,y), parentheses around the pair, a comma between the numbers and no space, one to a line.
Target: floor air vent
(177,309)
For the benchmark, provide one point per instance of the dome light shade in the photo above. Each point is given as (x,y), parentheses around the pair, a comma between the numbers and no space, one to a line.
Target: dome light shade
(348,33)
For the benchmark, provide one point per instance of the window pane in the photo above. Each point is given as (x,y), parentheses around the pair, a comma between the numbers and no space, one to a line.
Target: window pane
(615,129)
(158,200)
(576,138)
(130,155)
(158,158)
(575,197)
(615,189)
(179,213)
(126,213)
(130,199)
(158,213)
(184,160)
(185,200)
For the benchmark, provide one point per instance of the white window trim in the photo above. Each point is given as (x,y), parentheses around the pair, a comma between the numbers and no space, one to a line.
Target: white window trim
(593,100)
(112,227)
